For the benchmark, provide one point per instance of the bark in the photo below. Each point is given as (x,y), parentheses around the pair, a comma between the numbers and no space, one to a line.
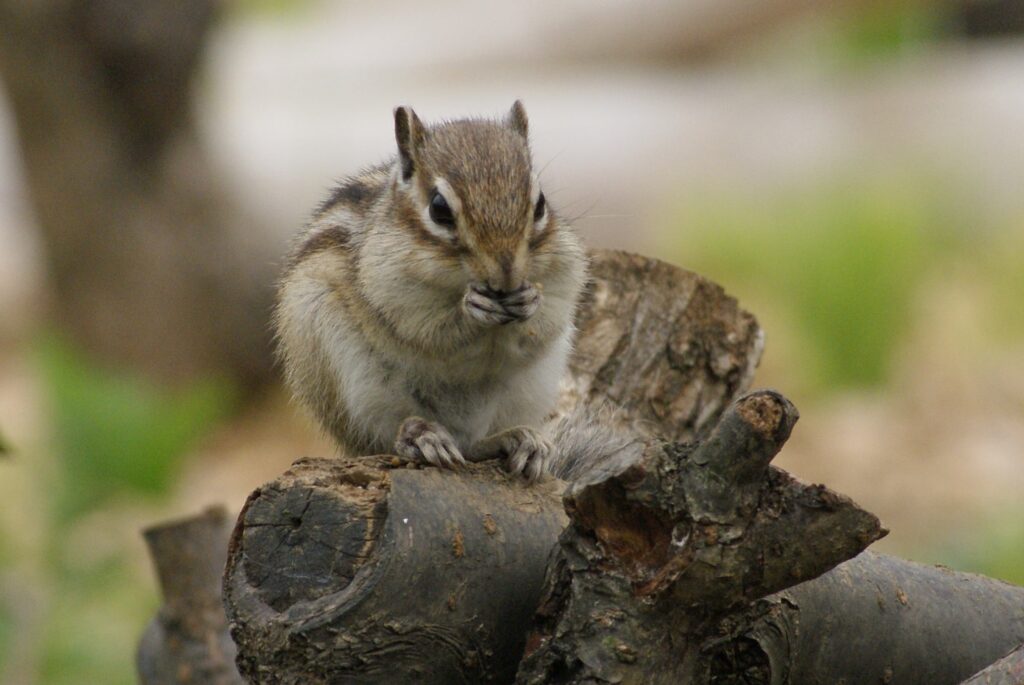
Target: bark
(665,347)
(1007,671)
(150,262)
(660,578)
(881,619)
(188,641)
(657,556)
(347,570)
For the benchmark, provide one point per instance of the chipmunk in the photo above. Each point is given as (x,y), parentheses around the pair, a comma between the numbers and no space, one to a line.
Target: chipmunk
(427,308)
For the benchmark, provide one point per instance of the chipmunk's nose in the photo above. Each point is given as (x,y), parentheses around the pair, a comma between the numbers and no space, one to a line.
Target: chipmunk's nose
(498,293)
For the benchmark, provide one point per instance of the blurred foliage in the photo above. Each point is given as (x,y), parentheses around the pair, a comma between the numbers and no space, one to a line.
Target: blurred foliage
(1001,266)
(5,449)
(7,618)
(841,260)
(118,433)
(95,621)
(6,629)
(276,9)
(883,29)
(118,438)
(995,549)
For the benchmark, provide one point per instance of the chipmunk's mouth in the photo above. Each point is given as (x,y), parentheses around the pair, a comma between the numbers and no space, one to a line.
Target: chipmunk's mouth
(497,308)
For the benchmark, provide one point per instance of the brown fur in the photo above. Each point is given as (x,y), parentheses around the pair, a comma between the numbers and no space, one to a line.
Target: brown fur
(372,319)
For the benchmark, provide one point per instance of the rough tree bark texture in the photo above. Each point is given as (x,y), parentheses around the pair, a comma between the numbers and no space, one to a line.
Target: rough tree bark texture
(676,569)
(661,574)
(657,555)
(150,262)
(666,347)
(353,569)
(188,641)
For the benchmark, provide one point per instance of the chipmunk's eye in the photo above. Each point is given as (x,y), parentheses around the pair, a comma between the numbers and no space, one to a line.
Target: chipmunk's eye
(538,210)
(440,211)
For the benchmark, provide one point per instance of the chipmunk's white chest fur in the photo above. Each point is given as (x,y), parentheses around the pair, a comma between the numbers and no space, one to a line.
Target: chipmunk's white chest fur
(486,386)
(483,381)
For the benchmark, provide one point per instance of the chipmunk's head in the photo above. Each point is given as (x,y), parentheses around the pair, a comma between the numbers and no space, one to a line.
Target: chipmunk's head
(467,191)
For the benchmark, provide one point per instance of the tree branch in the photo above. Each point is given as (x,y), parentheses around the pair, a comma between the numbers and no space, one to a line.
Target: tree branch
(657,555)
(188,640)
(1007,671)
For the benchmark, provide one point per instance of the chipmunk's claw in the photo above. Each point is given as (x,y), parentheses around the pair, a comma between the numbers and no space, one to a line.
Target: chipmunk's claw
(494,308)
(528,452)
(427,442)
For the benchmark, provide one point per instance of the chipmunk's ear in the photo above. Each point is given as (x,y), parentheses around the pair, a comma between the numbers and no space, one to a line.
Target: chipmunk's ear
(516,119)
(409,133)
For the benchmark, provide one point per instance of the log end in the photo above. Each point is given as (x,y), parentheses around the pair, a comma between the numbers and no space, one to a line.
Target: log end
(371,570)
(306,534)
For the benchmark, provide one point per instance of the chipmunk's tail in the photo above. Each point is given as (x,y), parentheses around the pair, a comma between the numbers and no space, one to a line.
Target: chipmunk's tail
(592,444)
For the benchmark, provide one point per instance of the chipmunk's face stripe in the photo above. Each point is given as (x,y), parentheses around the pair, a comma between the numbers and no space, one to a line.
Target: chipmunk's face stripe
(332,237)
(449,194)
(474,197)
(353,193)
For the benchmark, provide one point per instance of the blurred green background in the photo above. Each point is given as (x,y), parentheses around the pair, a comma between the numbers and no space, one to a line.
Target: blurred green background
(850,171)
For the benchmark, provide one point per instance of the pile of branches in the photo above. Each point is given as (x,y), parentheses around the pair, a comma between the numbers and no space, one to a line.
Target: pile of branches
(697,562)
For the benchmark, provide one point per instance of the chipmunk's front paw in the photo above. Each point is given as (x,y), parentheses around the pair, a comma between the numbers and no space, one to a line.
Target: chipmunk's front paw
(495,308)
(523,303)
(426,441)
(527,452)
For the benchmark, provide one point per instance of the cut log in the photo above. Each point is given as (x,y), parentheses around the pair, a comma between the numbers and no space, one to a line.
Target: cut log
(658,555)
(348,570)
(353,570)
(668,349)
(877,619)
